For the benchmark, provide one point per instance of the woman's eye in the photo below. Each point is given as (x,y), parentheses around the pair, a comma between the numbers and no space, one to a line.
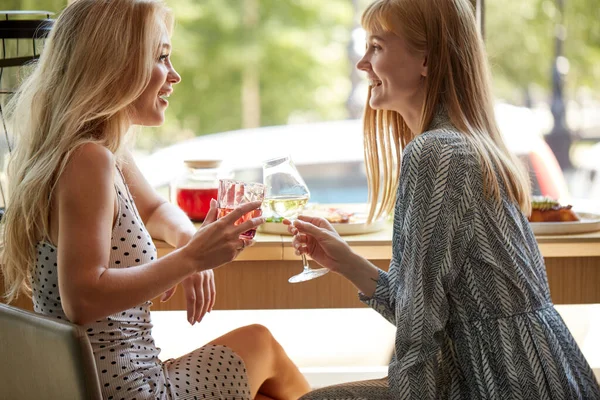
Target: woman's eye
(373,46)
(163,57)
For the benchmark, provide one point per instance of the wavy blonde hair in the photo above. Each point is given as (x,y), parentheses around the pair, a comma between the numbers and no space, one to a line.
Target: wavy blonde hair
(97,60)
(458,79)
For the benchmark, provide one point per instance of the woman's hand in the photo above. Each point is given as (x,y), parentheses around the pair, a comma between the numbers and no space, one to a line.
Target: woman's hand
(316,237)
(200,294)
(218,242)
(206,243)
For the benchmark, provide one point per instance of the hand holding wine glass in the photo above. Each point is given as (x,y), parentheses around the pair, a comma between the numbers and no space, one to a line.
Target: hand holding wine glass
(231,194)
(316,237)
(286,194)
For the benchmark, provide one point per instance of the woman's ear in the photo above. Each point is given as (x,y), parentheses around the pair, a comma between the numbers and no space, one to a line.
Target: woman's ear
(424,67)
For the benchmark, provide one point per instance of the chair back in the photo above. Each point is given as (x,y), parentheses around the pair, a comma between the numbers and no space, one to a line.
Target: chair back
(41,357)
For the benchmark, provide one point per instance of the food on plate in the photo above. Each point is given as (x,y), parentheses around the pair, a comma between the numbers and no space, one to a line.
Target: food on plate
(332,214)
(545,209)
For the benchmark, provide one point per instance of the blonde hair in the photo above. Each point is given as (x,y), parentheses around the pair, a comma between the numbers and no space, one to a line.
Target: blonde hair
(458,81)
(97,60)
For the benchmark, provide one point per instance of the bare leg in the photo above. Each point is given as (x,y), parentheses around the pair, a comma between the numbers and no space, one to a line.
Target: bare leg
(270,371)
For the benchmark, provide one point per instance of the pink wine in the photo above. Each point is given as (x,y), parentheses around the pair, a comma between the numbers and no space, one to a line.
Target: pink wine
(249,234)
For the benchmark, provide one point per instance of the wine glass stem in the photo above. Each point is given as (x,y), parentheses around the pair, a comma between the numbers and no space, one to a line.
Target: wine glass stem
(305,263)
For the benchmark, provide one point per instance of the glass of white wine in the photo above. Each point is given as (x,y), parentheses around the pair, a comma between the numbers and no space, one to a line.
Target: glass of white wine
(286,194)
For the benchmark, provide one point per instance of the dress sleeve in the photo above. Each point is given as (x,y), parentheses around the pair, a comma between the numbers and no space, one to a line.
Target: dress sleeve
(434,195)
(381,301)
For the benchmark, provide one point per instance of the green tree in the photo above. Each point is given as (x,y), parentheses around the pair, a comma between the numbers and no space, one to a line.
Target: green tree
(265,62)
(520,42)
(45,5)
(294,50)
(290,59)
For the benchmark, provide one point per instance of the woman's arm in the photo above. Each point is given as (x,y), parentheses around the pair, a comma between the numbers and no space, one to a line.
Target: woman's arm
(89,289)
(316,237)
(164,220)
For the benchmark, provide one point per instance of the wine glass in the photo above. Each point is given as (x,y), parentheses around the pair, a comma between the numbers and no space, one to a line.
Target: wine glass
(286,194)
(232,194)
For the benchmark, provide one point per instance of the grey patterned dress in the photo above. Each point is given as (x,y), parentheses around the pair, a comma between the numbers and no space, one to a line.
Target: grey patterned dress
(467,291)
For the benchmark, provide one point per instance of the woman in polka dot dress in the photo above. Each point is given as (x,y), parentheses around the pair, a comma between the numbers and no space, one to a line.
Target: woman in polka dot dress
(76,239)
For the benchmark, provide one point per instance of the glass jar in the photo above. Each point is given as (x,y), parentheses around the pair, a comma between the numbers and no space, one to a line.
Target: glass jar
(199,184)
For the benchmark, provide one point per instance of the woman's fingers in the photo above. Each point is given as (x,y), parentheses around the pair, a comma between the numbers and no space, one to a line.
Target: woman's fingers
(240,212)
(290,226)
(211,216)
(317,221)
(213,291)
(310,229)
(243,243)
(300,240)
(199,306)
(190,298)
(207,294)
(250,224)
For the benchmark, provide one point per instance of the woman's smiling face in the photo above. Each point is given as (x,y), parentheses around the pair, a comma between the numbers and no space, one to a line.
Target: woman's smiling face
(149,108)
(395,72)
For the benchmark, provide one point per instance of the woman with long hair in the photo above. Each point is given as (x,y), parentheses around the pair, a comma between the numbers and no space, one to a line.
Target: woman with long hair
(466,287)
(78,229)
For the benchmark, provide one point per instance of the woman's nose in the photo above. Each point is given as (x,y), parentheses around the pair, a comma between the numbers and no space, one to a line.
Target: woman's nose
(363,64)
(174,77)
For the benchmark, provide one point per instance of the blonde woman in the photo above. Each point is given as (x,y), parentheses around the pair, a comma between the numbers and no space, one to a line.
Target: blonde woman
(466,287)
(79,226)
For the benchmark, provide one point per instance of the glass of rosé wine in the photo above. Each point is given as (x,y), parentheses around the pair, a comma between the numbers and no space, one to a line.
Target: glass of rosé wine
(232,194)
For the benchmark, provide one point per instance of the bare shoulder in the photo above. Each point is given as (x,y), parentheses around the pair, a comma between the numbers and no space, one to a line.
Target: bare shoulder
(92,155)
(90,163)
(84,195)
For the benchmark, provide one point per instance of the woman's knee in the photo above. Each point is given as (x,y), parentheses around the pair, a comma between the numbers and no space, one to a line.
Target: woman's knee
(259,334)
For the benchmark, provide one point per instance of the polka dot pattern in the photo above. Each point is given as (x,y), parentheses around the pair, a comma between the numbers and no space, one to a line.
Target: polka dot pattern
(210,372)
(124,349)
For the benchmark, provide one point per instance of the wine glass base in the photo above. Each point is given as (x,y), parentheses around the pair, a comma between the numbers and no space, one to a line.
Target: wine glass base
(308,274)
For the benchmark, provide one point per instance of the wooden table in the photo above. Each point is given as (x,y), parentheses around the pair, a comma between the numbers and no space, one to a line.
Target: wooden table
(258,278)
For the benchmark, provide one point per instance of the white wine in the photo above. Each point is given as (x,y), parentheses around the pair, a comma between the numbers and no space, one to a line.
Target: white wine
(286,206)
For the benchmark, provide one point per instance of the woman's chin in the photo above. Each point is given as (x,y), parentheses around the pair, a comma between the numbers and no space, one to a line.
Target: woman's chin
(376,104)
(154,121)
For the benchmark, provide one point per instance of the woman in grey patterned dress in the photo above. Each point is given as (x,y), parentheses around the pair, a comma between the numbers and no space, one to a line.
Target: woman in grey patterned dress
(466,287)
(79,225)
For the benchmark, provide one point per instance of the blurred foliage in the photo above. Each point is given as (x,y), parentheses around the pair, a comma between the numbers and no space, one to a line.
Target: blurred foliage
(297,47)
(296,53)
(520,39)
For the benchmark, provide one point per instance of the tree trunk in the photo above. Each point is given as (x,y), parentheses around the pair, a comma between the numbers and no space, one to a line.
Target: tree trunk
(559,139)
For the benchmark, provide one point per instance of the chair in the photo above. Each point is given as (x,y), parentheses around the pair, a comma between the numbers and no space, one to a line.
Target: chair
(41,357)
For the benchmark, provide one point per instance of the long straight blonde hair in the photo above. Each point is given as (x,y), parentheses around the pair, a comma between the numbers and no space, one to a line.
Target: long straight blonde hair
(458,81)
(97,60)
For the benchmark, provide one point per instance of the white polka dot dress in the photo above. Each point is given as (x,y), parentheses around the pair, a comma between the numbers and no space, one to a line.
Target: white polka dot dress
(126,356)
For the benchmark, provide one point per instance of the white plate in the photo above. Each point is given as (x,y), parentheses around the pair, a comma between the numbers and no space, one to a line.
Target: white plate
(351,228)
(587,223)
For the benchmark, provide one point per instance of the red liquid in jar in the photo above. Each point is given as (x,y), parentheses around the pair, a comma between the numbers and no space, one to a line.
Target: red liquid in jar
(249,234)
(195,202)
